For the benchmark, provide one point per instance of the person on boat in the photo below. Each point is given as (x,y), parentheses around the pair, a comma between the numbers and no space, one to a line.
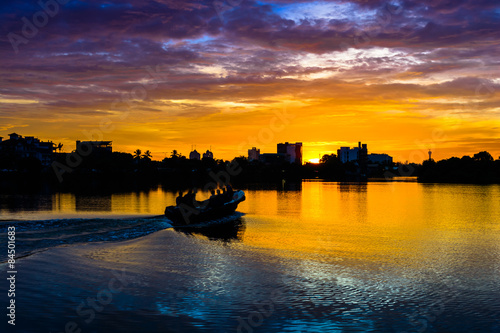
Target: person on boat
(188,198)
(218,200)
(212,199)
(191,198)
(230,192)
(179,199)
(193,202)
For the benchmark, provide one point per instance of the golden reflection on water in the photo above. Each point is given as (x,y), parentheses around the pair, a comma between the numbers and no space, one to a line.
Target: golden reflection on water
(406,223)
(145,202)
(368,254)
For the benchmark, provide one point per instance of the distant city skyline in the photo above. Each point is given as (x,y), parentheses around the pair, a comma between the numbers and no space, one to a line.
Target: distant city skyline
(293,150)
(313,151)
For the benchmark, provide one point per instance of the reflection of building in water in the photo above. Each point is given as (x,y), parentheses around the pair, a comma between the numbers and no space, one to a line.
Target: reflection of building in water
(289,199)
(194,155)
(253,154)
(93,203)
(292,150)
(19,147)
(20,203)
(354,198)
(208,154)
(290,185)
(353,187)
(63,202)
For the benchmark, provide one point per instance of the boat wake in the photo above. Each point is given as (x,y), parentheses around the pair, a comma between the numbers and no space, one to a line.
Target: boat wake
(36,236)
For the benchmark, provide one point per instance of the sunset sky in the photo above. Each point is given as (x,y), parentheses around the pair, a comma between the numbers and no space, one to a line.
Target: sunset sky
(401,76)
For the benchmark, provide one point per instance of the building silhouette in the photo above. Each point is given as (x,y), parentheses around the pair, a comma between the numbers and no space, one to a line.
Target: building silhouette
(380,158)
(208,154)
(99,147)
(18,147)
(194,155)
(274,159)
(253,154)
(293,151)
(356,154)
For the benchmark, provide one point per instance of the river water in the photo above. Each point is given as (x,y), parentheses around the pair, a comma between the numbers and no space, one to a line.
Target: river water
(309,257)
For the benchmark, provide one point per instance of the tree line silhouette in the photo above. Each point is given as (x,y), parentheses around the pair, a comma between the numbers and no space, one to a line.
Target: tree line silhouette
(177,171)
(479,169)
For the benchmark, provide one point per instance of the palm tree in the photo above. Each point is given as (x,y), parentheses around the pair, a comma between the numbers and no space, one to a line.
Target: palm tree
(174,154)
(137,154)
(59,146)
(147,154)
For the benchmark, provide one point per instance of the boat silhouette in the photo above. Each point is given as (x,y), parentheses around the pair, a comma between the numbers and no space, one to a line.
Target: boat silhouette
(204,211)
